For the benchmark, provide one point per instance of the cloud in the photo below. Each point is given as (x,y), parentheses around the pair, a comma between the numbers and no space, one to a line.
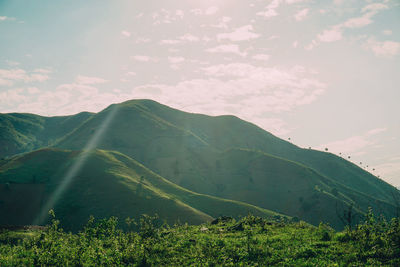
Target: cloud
(189,38)
(10,76)
(269,13)
(251,92)
(10,97)
(270,10)
(175,60)
(211,10)
(375,7)
(89,80)
(164,16)
(244,33)
(33,90)
(4,18)
(141,40)
(290,2)
(142,58)
(126,33)
(302,14)
(229,49)
(389,171)
(223,23)
(386,49)
(63,100)
(261,57)
(354,145)
(186,38)
(332,35)
(335,32)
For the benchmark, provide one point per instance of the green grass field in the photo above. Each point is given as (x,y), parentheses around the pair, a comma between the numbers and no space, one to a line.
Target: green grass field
(250,241)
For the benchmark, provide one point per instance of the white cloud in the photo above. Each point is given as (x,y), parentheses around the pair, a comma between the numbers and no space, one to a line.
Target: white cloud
(269,13)
(126,33)
(63,100)
(302,14)
(4,18)
(10,97)
(244,90)
(211,10)
(142,58)
(261,57)
(9,76)
(170,42)
(176,60)
(389,171)
(189,38)
(229,48)
(180,13)
(383,49)
(374,7)
(223,23)
(142,40)
(33,90)
(244,33)
(332,35)
(289,2)
(89,80)
(164,16)
(186,38)
(335,32)
(355,145)
(270,10)
(358,22)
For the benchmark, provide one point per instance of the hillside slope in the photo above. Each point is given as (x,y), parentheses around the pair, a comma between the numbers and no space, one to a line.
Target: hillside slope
(225,132)
(106,184)
(20,132)
(230,158)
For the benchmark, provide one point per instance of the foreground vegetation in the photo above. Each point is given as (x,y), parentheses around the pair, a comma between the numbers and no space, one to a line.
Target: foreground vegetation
(249,241)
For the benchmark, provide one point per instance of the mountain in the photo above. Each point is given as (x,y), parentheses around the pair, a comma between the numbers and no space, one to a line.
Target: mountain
(223,157)
(107,183)
(26,132)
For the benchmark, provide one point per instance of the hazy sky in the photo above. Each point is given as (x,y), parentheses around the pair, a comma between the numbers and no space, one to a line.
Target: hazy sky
(324,73)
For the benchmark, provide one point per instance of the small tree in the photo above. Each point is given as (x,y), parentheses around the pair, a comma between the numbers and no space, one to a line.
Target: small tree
(346,216)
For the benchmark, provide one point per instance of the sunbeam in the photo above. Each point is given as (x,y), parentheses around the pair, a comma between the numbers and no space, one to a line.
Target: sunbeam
(76,166)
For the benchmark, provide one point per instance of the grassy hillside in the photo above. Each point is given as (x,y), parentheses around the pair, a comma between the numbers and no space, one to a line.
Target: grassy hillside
(197,152)
(219,156)
(25,132)
(225,132)
(107,184)
(272,183)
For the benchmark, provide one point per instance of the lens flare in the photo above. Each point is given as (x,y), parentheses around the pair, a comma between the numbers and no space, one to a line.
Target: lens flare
(76,166)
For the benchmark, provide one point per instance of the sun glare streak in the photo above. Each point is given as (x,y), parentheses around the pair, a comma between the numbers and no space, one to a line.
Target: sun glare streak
(76,167)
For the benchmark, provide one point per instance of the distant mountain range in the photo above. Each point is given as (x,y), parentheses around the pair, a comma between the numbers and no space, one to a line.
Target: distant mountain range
(144,157)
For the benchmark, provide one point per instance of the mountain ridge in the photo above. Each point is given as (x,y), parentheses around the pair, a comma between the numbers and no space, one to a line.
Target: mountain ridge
(220,156)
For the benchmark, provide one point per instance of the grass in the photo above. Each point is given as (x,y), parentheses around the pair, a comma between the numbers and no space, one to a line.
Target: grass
(109,183)
(250,241)
(219,157)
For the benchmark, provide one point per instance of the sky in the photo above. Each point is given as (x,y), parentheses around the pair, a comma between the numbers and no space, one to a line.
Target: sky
(320,74)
